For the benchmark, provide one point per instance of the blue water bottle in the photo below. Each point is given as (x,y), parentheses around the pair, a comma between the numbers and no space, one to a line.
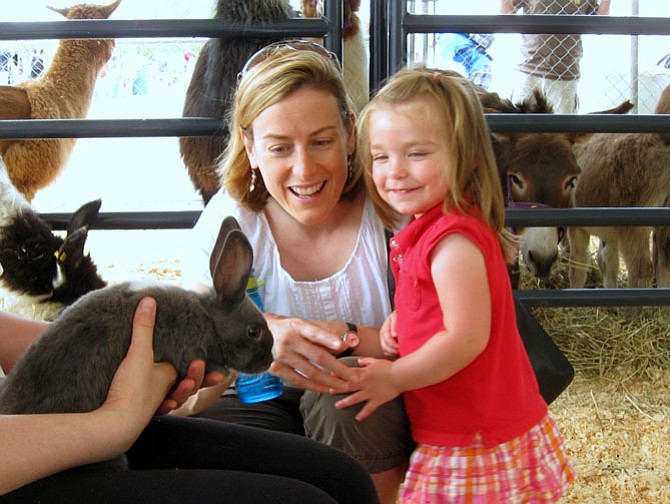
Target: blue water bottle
(253,388)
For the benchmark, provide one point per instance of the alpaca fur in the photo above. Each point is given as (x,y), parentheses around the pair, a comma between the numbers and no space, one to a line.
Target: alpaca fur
(355,56)
(40,272)
(624,170)
(210,92)
(63,92)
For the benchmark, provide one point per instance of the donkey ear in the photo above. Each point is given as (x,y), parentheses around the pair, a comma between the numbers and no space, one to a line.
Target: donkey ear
(233,267)
(85,216)
(228,224)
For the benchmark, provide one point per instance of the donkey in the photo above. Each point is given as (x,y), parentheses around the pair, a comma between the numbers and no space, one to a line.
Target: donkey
(537,170)
(624,170)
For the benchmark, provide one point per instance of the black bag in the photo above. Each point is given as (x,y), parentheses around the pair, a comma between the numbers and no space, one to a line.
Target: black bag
(552,368)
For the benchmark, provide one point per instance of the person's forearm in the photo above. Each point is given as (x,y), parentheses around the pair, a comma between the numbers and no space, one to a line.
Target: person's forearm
(16,335)
(36,446)
(506,7)
(204,398)
(603,8)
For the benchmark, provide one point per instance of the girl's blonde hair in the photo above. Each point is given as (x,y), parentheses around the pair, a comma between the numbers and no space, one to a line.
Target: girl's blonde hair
(473,180)
(267,83)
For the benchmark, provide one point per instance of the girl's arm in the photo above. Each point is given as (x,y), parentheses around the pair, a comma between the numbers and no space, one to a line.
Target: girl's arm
(460,278)
(36,446)
(459,275)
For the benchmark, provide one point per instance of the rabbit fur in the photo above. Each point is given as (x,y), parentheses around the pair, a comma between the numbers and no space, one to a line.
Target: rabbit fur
(71,366)
(41,271)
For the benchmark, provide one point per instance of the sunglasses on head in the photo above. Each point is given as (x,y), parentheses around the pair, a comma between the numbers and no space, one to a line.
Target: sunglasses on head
(297,45)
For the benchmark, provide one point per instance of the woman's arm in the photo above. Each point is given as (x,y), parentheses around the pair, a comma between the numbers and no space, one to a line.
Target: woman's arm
(36,446)
(16,335)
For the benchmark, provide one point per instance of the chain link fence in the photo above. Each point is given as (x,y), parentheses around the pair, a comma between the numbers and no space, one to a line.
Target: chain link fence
(611,68)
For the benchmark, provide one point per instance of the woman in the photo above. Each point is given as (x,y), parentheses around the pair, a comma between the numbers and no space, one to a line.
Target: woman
(216,462)
(290,178)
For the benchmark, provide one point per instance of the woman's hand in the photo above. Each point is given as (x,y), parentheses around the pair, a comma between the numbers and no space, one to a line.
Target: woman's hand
(140,384)
(303,354)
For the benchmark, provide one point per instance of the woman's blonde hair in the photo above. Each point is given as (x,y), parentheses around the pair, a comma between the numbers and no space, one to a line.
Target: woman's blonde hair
(473,181)
(267,83)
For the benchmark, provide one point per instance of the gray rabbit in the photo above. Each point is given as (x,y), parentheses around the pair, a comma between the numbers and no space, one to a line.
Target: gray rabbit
(70,367)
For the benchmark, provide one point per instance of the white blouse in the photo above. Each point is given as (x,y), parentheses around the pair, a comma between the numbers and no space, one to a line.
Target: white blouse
(357,293)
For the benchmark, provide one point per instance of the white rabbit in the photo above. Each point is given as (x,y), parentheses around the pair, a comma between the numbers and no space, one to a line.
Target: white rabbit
(41,272)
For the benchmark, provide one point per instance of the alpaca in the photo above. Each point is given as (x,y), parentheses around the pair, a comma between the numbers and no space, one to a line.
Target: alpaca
(635,168)
(210,92)
(355,57)
(40,272)
(63,92)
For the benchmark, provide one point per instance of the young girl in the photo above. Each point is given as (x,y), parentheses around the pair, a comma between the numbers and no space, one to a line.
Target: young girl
(482,427)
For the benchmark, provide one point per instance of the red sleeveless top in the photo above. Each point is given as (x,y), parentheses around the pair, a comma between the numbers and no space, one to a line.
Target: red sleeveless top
(495,396)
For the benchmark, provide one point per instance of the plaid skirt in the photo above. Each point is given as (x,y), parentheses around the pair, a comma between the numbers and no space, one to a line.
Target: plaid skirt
(532,468)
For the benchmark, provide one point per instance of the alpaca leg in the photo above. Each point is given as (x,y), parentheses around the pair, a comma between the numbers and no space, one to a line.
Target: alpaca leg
(578,238)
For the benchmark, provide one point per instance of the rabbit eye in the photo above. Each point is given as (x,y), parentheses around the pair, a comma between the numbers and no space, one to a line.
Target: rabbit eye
(254,332)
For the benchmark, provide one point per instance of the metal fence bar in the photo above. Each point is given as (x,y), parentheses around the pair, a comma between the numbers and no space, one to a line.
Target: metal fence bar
(402,23)
(594,297)
(198,126)
(605,216)
(207,28)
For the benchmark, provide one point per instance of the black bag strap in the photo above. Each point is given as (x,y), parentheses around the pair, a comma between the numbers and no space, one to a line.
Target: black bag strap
(389,274)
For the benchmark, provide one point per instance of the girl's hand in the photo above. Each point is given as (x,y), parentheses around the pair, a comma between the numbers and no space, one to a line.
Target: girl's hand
(389,337)
(372,384)
(139,385)
(303,354)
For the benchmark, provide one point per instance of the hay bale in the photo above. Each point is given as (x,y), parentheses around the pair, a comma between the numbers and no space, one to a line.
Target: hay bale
(600,341)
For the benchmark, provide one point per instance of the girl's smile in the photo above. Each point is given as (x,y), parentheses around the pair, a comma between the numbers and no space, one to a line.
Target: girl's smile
(409,158)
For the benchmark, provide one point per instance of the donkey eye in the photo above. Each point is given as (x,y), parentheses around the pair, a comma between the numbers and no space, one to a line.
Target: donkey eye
(570,184)
(516,181)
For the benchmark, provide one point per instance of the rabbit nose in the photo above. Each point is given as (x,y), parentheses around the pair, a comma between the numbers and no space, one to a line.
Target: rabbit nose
(255,332)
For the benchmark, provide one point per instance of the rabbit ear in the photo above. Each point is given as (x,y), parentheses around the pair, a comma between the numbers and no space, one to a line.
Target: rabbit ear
(72,249)
(228,224)
(233,267)
(85,216)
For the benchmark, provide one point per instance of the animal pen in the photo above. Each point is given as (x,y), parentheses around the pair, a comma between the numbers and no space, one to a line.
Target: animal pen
(400,32)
